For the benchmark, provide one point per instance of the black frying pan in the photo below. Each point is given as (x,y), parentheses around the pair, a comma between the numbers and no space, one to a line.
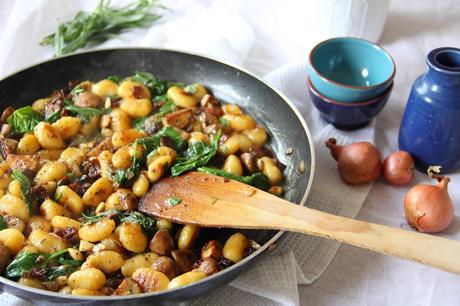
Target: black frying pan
(286,127)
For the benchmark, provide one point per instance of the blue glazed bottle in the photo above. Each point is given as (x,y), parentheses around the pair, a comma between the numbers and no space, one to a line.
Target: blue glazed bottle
(430,128)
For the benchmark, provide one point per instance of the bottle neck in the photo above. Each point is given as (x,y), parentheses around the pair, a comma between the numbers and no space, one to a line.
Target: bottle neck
(444,66)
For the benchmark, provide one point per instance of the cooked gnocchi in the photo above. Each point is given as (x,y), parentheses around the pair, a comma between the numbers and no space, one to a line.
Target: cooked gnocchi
(74,165)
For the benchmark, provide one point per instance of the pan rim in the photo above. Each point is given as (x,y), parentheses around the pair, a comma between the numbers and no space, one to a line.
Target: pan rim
(262,249)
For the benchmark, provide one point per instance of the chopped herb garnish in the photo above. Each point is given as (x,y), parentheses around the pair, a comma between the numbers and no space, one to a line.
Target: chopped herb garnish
(257,180)
(114,78)
(24,120)
(138,123)
(157,87)
(224,122)
(85,113)
(25,187)
(214,200)
(167,108)
(54,265)
(190,89)
(173,201)
(147,223)
(77,90)
(100,25)
(2,223)
(53,117)
(198,154)
(58,196)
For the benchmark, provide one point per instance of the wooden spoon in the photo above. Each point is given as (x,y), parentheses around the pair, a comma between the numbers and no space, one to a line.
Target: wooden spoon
(212,201)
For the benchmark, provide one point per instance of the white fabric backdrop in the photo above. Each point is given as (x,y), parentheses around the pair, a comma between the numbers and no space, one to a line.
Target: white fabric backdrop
(277,33)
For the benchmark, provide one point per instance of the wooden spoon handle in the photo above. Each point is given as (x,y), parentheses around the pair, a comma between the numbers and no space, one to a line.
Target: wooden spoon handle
(431,250)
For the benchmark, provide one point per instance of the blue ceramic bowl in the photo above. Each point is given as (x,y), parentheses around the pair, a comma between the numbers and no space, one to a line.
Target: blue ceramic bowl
(350,69)
(348,116)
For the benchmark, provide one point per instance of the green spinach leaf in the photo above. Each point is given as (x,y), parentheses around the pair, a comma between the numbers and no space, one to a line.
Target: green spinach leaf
(25,188)
(257,180)
(56,264)
(157,87)
(198,154)
(85,113)
(24,120)
(114,78)
(2,223)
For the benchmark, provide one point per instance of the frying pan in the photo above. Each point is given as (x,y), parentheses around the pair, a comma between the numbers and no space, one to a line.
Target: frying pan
(286,128)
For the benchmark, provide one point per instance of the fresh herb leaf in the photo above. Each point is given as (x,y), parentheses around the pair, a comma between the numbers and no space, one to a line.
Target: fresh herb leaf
(173,201)
(176,140)
(85,113)
(114,78)
(23,120)
(2,223)
(100,25)
(54,117)
(214,200)
(58,196)
(190,89)
(56,264)
(198,154)
(24,262)
(157,87)
(25,187)
(147,223)
(257,180)
(167,108)
(224,122)
(92,218)
(77,90)
(138,123)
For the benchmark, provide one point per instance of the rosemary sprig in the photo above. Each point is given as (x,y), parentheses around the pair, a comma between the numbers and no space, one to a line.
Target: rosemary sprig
(100,25)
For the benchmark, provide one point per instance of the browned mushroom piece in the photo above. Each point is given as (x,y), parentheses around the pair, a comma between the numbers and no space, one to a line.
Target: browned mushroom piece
(127,287)
(104,145)
(184,260)
(24,163)
(4,256)
(14,222)
(209,266)
(162,243)
(179,119)
(165,265)
(56,104)
(249,161)
(88,99)
(7,146)
(6,114)
(211,249)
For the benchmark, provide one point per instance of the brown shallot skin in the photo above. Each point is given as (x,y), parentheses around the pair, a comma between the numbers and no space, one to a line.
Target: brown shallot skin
(428,208)
(358,163)
(398,168)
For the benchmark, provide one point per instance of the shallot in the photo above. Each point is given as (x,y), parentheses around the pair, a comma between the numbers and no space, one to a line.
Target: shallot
(358,162)
(428,208)
(398,168)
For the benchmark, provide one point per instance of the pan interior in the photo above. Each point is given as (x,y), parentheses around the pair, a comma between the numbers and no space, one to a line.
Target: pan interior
(227,83)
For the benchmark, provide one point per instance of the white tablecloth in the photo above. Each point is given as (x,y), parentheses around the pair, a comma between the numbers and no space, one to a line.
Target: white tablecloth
(355,276)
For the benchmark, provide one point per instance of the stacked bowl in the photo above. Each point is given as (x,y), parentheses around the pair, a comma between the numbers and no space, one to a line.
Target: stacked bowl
(349,80)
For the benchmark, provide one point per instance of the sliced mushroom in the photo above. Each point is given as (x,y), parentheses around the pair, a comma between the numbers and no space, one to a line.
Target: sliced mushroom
(24,163)
(249,162)
(104,145)
(211,249)
(127,287)
(162,243)
(14,222)
(184,260)
(88,99)
(7,146)
(209,101)
(4,256)
(165,265)
(6,113)
(179,119)
(209,266)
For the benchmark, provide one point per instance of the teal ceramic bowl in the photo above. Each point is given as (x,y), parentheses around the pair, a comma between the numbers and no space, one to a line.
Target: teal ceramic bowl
(350,69)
